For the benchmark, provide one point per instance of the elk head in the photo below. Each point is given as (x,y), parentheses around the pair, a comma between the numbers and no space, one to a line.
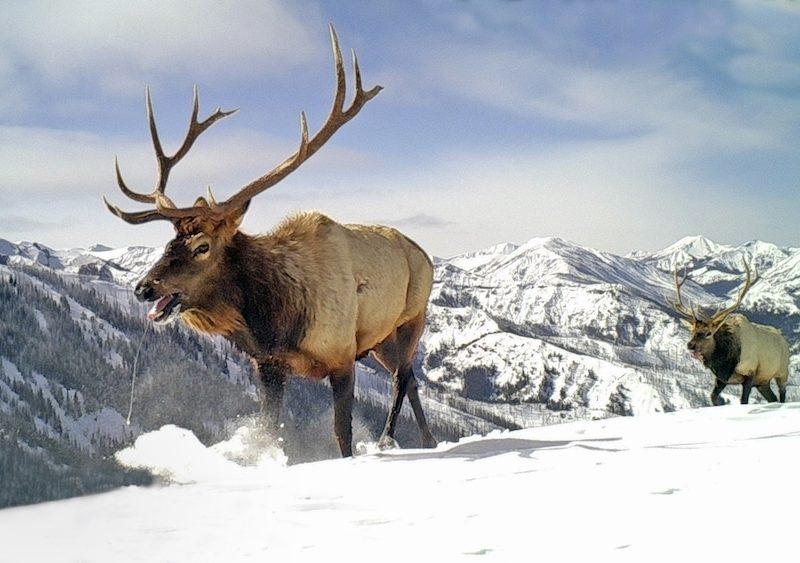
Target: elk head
(191,271)
(702,343)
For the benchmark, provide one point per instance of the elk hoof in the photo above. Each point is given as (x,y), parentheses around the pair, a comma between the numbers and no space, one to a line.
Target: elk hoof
(429,441)
(387,443)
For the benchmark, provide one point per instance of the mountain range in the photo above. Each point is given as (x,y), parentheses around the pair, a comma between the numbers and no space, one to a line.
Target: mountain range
(517,336)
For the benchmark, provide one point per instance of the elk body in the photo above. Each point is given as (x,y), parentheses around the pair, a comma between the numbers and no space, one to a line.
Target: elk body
(736,350)
(309,298)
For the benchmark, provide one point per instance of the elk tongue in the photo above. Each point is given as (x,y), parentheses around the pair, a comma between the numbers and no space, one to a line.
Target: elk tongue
(162,308)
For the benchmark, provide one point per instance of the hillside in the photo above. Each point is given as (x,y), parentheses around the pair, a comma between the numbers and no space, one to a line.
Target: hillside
(553,323)
(517,336)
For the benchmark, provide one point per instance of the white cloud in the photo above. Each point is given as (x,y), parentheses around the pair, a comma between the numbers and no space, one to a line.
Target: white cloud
(66,42)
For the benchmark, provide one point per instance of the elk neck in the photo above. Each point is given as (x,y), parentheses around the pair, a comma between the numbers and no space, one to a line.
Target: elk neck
(262,303)
(722,361)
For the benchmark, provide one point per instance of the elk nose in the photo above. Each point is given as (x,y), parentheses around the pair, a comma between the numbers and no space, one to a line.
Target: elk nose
(691,345)
(144,291)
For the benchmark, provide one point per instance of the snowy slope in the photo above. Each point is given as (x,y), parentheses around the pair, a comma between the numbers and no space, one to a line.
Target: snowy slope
(575,328)
(690,485)
(583,332)
(122,265)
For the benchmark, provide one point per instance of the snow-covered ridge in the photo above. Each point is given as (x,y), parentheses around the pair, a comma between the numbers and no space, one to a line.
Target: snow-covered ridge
(555,323)
(122,265)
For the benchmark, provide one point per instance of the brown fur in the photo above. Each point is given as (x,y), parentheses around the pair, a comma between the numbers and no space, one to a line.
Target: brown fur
(751,354)
(308,298)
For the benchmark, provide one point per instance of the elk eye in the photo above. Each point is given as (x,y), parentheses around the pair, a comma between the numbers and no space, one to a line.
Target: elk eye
(202,249)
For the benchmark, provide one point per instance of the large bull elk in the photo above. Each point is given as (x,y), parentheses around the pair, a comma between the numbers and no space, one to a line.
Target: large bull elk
(736,350)
(309,298)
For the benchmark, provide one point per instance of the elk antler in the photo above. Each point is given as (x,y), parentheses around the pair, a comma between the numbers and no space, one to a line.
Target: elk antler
(165,163)
(719,317)
(679,306)
(235,205)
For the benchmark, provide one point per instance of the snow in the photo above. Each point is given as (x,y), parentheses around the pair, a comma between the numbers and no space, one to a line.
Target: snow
(688,484)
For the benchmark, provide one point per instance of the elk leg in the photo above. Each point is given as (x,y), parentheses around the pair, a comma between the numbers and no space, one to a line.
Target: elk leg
(273,383)
(408,337)
(747,386)
(767,393)
(400,380)
(396,354)
(428,441)
(782,391)
(388,355)
(343,386)
(716,400)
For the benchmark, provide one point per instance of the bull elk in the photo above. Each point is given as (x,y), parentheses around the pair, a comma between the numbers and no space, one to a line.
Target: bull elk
(736,350)
(310,298)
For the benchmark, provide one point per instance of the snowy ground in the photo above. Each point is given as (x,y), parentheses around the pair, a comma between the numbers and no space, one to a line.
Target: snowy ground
(669,487)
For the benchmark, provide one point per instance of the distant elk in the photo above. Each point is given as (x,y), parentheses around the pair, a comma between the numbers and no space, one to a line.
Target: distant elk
(736,350)
(309,298)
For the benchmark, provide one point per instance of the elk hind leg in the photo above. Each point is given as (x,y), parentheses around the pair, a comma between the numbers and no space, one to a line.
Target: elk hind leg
(387,354)
(408,337)
(396,354)
(747,386)
(767,393)
(343,387)
(428,441)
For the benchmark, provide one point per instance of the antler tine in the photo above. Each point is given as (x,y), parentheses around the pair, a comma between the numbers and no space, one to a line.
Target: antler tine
(196,128)
(165,163)
(141,198)
(721,315)
(234,205)
(337,117)
(679,306)
(137,217)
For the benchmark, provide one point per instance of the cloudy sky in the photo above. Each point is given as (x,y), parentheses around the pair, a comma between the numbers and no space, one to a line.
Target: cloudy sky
(616,124)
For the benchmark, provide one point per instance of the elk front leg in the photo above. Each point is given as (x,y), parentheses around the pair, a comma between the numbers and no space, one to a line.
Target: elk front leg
(343,386)
(716,400)
(272,378)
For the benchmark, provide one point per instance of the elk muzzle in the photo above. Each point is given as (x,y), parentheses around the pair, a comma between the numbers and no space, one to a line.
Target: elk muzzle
(692,346)
(145,291)
(164,308)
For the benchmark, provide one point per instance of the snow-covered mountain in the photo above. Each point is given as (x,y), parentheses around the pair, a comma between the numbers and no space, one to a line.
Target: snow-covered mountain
(517,336)
(122,265)
(577,329)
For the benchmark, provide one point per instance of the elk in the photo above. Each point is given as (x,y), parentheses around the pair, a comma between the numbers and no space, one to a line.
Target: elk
(736,350)
(309,298)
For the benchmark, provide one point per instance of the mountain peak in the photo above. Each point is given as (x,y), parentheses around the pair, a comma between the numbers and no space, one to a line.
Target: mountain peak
(696,246)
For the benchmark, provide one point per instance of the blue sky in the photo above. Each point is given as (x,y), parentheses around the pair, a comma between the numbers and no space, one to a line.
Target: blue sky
(616,124)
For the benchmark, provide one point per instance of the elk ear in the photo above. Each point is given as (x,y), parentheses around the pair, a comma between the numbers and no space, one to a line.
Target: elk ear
(687,323)
(238,215)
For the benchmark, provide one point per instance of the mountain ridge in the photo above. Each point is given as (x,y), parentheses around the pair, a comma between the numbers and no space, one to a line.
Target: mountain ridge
(516,336)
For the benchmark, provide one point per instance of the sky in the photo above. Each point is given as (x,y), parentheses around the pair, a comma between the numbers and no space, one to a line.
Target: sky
(703,484)
(617,124)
